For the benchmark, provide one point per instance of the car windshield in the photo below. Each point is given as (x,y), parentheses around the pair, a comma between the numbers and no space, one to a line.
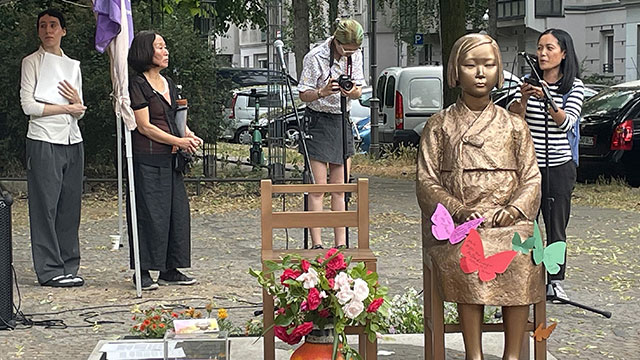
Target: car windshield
(608,101)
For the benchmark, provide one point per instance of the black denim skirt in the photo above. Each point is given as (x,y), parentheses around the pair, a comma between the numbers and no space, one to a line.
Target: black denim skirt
(326,140)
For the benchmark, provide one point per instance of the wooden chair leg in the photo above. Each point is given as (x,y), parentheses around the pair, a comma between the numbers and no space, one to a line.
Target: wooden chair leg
(362,344)
(438,322)
(269,346)
(540,317)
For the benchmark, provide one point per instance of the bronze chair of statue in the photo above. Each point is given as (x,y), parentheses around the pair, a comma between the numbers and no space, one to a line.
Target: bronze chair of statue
(435,328)
(358,218)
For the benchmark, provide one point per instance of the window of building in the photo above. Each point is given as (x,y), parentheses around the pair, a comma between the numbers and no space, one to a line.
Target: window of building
(607,51)
(549,8)
(510,9)
(246,62)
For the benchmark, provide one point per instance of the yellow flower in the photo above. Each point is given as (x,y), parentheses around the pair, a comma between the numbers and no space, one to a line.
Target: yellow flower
(222,314)
(209,307)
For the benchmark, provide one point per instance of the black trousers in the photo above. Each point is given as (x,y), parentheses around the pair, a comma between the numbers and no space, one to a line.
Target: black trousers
(164,222)
(54,178)
(562,180)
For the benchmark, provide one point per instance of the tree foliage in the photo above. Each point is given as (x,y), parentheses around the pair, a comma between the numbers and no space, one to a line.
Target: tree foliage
(192,65)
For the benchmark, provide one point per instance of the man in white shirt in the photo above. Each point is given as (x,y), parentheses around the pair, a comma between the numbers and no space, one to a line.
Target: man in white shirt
(55,163)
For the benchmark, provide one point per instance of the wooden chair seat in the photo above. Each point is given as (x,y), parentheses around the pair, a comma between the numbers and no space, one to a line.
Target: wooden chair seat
(270,220)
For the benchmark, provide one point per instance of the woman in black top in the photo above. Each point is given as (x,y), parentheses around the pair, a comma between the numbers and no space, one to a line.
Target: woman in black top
(162,205)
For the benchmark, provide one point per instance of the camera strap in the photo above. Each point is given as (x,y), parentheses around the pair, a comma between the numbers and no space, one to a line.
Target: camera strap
(331,61)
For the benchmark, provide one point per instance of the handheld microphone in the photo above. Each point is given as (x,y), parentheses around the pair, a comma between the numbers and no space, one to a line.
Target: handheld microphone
(545,89)
(278,44)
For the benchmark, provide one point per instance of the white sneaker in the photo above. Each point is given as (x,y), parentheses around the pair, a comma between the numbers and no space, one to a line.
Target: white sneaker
(558,291)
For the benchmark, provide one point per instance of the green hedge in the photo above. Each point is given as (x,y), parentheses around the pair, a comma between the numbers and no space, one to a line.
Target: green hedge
(192,64)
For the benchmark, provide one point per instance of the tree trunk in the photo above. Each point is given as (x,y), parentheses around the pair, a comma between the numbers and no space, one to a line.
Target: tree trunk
(300,32)
(492,29)
(452,26)
(333,14)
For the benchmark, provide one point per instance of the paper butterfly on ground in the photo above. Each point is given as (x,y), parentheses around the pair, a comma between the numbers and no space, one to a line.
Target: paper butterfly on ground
(443,227)
(543,334)
(552,256)
(473,258)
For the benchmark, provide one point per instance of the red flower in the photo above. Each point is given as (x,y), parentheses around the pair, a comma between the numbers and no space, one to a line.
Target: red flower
(332,283)
(375,305)
(281,333)
(162,325)
(304,306)
(324,313)
(157,317)
(280,311)
(174,315)
(305,265)
(289,274)
(313,299)
(146,322)
(303,329)
(142,327)
(337,263)
(153,326)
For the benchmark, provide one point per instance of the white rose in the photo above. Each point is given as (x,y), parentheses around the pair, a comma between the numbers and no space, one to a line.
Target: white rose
(360,289)
(342,280)
(309,278)
(353,309)
(344,295)
(323,295)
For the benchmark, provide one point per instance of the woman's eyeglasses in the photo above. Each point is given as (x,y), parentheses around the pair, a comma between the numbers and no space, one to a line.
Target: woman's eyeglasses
(346,52)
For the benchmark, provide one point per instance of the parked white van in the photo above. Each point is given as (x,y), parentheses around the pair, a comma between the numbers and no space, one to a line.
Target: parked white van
(408,97)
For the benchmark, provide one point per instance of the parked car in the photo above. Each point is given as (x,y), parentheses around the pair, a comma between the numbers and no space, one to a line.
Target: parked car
(359,111)
(610,133)
(244,77)
(241,110)
(408,97)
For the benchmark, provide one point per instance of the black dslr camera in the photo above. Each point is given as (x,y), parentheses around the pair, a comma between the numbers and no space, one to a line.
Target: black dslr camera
(344,81)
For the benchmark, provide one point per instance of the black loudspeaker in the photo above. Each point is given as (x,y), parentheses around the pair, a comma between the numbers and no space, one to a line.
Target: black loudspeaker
(6,260)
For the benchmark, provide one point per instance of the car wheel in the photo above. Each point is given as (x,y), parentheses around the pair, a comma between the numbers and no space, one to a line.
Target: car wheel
(242,133)
(291,137)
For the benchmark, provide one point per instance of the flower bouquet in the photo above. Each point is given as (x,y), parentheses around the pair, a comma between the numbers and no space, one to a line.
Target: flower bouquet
(324,292)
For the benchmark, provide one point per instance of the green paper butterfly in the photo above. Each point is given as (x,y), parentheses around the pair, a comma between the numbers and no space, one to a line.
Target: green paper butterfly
(552,256)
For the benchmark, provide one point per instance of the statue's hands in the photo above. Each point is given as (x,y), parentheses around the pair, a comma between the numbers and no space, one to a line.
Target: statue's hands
(466,214)
(506,216)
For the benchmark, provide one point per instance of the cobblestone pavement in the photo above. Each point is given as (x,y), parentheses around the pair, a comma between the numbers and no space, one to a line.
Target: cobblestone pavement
(603,272)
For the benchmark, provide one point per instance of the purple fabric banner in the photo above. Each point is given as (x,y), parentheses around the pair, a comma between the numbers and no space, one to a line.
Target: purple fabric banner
(108,21)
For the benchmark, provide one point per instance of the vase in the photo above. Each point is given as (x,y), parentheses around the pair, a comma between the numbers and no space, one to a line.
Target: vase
(318,345)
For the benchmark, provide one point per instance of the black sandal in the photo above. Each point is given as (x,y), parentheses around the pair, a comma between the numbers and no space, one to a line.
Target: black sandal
(316,247)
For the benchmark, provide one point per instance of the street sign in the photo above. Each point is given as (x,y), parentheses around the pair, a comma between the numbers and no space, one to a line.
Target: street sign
(418,39)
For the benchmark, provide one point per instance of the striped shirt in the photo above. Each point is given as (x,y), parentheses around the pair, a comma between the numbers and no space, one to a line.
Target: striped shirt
(559,148)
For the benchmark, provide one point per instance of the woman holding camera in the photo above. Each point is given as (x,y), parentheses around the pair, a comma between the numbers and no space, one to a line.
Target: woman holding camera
(338,58)
(162,205)
(558,65)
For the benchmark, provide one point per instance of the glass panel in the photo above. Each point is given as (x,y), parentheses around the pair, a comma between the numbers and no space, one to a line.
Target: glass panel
(390,93)
(425,94)
(380,87)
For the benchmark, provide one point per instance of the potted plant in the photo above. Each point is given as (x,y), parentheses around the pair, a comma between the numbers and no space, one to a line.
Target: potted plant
(324,294)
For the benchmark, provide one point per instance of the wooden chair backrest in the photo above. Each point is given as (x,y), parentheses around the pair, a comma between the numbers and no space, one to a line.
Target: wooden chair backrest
(307,219)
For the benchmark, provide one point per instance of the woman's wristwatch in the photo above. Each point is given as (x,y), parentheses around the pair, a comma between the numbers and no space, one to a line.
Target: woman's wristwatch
(319,94)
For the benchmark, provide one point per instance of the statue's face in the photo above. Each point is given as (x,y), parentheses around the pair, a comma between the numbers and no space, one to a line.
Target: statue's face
(478,71)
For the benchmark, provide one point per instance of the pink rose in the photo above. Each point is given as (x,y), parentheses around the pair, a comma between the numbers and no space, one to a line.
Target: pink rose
(281,333)
(305,265)
(332,282)
(303,329)
(353,309)
(375,305)
(324,313)
(360,289)
(313,299)
(337,263)
(289,274)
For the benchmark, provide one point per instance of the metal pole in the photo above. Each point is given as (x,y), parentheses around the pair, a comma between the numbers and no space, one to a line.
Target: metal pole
(374,147)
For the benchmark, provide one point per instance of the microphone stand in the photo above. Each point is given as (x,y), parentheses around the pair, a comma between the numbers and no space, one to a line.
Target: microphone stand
(549,200)
(307,174)
(345,118)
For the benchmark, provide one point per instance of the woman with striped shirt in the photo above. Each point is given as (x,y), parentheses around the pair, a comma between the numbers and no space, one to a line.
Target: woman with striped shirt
(558,66)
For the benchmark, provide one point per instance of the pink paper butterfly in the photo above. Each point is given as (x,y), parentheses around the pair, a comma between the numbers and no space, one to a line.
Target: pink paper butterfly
(443,227)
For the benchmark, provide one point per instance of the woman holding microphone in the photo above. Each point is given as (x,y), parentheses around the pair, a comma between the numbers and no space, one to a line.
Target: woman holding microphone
(558,66)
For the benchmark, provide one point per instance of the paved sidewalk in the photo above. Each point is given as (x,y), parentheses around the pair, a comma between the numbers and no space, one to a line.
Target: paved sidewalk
(604,271)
